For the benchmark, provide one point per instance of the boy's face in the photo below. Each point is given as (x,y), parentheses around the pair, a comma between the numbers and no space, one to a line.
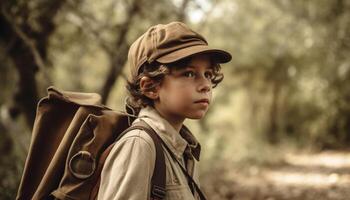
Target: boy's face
(186,92)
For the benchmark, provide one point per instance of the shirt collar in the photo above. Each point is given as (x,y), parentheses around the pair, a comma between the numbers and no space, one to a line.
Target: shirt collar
(177,142)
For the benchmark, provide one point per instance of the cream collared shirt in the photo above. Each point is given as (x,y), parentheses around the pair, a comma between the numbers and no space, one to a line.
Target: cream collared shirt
(128,169)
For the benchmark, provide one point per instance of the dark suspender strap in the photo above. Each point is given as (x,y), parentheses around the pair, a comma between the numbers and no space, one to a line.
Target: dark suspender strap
(159,175)
(189,177)
(186,158)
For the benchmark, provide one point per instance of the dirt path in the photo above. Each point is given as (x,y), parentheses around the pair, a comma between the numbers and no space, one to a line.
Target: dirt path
(319,176)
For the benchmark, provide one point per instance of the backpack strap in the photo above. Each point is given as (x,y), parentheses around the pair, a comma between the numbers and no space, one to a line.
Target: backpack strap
(159,174)
(189,177)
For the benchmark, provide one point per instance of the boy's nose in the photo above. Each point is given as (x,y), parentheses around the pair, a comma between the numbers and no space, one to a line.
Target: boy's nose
(205,85)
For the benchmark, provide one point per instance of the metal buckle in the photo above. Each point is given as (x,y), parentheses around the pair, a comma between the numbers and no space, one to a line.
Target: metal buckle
(82,165)
(158,192)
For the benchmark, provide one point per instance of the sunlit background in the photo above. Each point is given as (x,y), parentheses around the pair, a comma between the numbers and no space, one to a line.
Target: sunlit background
(279,126)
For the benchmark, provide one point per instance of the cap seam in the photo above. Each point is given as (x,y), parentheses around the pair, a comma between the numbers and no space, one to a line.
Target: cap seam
(155,43)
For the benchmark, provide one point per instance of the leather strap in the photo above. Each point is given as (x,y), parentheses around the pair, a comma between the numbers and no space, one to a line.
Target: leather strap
(159,174)
(187,159)
(189,177)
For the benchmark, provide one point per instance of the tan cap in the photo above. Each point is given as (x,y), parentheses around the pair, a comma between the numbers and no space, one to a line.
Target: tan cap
(167,43)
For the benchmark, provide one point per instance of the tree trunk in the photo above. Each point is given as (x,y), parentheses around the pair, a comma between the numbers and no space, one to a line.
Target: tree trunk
(27,48)
(119,58)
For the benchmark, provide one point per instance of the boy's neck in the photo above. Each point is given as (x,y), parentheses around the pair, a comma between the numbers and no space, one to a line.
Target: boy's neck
(175,121)
(176,125)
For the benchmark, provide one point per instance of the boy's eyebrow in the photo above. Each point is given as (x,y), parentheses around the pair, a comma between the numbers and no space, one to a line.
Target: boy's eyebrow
(183,68)
(189,66)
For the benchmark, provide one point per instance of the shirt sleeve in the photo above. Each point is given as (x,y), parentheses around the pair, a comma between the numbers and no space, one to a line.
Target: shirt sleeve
(128,169)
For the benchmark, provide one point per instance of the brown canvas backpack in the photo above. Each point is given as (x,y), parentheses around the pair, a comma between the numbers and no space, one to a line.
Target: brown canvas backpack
(71,138)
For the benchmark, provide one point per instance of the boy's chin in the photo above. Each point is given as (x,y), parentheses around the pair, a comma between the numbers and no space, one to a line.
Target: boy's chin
(197,115)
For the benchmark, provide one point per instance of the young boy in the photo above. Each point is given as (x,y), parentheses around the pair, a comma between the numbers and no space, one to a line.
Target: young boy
(173,72)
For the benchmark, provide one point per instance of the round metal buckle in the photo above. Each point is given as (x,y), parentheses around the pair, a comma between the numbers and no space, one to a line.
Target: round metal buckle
(82,165)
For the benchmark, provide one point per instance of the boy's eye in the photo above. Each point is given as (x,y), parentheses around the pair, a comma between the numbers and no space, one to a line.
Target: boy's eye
(189,74)
(209,75)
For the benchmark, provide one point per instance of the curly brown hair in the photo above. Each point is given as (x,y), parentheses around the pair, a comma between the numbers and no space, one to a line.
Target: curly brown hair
(157,71)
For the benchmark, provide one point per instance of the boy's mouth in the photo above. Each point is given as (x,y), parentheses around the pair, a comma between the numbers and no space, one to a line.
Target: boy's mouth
(204,101)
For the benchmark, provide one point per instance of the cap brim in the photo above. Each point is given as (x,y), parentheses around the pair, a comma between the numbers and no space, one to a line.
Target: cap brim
(219,56)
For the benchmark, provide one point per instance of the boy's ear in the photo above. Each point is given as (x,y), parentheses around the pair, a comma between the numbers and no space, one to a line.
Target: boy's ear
(148,88)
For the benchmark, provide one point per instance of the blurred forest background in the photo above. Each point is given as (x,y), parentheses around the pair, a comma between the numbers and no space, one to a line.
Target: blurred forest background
(279,127)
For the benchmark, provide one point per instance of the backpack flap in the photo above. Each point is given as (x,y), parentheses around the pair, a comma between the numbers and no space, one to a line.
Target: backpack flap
(58,119)
(78,98)
(82,167)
